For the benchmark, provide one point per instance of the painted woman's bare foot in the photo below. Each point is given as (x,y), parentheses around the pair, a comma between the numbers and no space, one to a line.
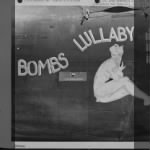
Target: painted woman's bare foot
(147,101)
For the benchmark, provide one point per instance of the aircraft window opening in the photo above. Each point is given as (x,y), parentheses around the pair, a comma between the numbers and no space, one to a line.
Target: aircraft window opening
(118,9)
(97,1)
(20,1)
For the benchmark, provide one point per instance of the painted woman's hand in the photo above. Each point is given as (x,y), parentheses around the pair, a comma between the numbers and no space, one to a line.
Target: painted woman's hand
(122,67)
(117,73)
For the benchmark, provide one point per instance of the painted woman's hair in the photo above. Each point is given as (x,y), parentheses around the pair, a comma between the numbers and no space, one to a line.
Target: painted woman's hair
(116,49)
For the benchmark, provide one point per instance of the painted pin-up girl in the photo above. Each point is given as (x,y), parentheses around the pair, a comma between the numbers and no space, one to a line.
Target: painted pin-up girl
(110,84)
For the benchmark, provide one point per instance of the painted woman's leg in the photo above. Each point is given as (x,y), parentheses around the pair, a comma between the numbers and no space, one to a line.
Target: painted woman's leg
(120,89)
(122,92)
(135,91)
(112,91)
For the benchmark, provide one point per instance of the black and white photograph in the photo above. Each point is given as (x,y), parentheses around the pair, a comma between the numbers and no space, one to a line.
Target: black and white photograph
(80,71)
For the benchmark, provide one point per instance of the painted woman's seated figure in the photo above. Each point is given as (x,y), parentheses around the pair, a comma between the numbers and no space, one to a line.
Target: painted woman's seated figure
(110,84)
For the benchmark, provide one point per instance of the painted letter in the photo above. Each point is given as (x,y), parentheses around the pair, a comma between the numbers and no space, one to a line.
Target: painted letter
(93,39)
(83,40)
(130,32)
(102,36)
(34,73)
(122,34)
(42,65)
(113,35)
(22,67)
(64,59)
(88,38)
(79,46)
(54,62)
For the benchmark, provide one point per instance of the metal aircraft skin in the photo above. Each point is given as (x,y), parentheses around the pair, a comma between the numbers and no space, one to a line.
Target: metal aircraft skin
(50,109)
